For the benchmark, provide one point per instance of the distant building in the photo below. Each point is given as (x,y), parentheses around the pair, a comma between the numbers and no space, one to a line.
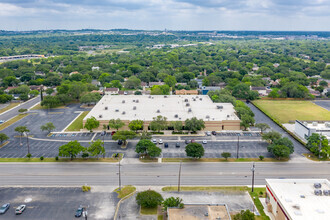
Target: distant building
(186,92)
(206,89)
(96,82)
(151,84)
(111,91)
(298,199)
(95,68)
(199,212)
(276,65)
(305,129)
(10,88)
(255,67)
(263,91)
(72,73)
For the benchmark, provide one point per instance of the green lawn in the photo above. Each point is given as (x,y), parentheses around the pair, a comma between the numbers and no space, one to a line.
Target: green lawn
(259,193)
(78,123)
(148,211)
(126,190)
(286,110)
(205,188)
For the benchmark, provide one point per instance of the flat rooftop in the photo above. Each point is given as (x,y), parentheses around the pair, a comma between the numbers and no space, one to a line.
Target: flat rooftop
(173,107)
(297,197)
(198,212)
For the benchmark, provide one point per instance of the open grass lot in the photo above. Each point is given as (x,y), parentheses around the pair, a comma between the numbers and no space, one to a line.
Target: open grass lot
(78,123)
(286,110)
(10,106)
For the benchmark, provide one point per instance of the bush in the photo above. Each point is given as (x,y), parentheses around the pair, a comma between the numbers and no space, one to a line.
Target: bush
(41,158)
(226,155)
(244,215)
(173,202)
(261,157)
(56,158)
(85,155)
(86,188)
(29,155)
(149,199)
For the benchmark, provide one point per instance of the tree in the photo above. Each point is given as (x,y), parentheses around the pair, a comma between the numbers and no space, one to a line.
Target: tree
(96,148)
(170,81)
(286,142)
(244,215)
(172,202)
(49,91)
(90,98)
(34,93)
(123,135)
(63,98)
(280,151)
(145,135)
(313,144)
(247,121)
(195,150)
(116,123)
(24,97)
(194,124)
(149,199)
(271,136)
(71,149)
(21,130)
(154,151)
(159,123)
(48,127)
(226,155)
(143,145)
(50,101)
(132,83)
(3,137)
(92,123)
(262,126)
(76,89)
(242,91)
(136,125)
(177,125)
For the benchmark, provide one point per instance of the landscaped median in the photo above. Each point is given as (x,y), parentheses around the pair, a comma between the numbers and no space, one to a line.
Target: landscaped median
(8,107)
(12,121)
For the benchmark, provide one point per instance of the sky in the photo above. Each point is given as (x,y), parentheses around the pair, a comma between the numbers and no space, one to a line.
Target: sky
(268,15)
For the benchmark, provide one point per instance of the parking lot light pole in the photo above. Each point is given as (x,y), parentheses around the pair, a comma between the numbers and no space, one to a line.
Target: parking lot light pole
(119,177)
(27,141)
(237,147)
(253,169)
(179,181)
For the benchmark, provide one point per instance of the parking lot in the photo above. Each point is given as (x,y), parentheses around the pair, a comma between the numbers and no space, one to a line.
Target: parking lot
(58,203)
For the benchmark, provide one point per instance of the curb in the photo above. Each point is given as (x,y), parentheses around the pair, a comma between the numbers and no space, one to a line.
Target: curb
(120,201)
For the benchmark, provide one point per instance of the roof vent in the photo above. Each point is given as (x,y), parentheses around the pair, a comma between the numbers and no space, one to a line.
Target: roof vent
(149,96)
(106,108)
(187,104)
(207,116)
(317,185)
(318,192)
(201,99)
(219,107)
(100,116)
(158,111)
(137,101)
(326,192)
(189,110)
(134,107)
(228,116)
(186,100)
(194,99)
(117,110)
(133,100)
(176,116)
(123,113)
(123,101)
(302,196)
(165,96)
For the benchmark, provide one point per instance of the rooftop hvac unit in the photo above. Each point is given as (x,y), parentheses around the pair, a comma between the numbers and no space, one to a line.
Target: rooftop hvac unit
(165,96)
(149,96)
(318,192)
(317,185)
(133,100)
(327,124)
(207,116)
(186,100)
(158,111)
(123,101)
(194,99)
(326,192)
(228,116)
(117,110)
(137,101)
(314,123)
(100,116)
(187,104)
(201,99)
(176,116)
(134,107)
(123,113)
(219,107)
(105,108)
(189,110)
(305,123)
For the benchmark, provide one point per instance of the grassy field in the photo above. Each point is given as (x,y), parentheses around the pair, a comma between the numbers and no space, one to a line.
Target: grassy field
(78,123)
(126,190)
(148,211)
(10,106)
(12,121)
(286,110)
(259,193)
(33,160)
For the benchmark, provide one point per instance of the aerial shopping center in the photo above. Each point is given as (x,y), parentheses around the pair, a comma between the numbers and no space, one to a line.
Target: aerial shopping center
(217,116)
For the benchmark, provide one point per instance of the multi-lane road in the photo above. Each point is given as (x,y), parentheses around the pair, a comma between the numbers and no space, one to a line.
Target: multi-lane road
(14,111)
(77,174)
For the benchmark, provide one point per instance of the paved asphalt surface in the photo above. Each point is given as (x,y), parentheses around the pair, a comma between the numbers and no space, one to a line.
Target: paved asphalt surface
(323,103)
(54,203)
(77,174)
(14,111)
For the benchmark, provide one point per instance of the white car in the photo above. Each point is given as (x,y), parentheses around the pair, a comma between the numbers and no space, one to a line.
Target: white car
(20,209)
(160,141)
(204,141)
(2,121)
(154,141)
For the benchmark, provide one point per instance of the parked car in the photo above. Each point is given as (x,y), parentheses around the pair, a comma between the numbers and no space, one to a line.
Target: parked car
(208,133)
(4,208)
(79,212)
(177,144)
(2,121)
(160,141)
(214,133)
(120,142)
(166,145)
(113,132)
(154,141)
(187,141)
(20,209)
(193,141)
(204,141)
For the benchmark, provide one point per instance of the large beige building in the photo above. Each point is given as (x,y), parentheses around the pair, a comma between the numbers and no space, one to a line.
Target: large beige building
(217,116)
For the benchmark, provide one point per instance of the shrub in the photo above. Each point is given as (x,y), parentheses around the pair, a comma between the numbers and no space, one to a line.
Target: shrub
(86,188)
(261,157)
(173,202)
(29,155)
(41,158)
(85,155)
(149,199)
(56,158)
(226,155)
(244,215)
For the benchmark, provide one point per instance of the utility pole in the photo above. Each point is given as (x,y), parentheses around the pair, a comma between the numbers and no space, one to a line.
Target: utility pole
(179,181)
(119,176)
(27,142)
(320,146)
(253,169)
(237,147)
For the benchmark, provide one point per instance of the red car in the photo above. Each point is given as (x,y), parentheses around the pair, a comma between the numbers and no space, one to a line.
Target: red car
(112,133)
(193,141)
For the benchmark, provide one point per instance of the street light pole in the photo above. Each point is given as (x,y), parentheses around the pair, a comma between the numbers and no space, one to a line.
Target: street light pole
(119,177)
(237,147)
(253,169)
(320,146)
(179,181)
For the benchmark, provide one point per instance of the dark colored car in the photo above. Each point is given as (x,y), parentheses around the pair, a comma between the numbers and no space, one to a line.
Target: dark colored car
(187,141)
(166,145)
(177,144)
(4,208)
(120,142)
(79,212)
(214,133)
